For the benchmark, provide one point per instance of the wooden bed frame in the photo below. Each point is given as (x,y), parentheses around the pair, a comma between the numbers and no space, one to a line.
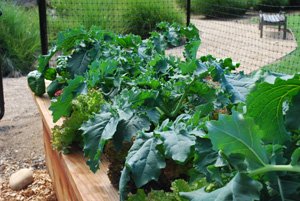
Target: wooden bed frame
(71,177)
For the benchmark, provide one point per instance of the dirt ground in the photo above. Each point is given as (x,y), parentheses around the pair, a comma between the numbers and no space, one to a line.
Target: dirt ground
(21,144)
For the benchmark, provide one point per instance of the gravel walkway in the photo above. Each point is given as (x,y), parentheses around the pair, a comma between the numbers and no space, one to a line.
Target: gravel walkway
(240,40)
(21,144)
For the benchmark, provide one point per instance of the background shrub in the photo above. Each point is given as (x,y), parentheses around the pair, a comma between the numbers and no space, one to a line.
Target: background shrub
(19,38)
(271,5)
(122,16)
(141,17)
(220,8)
(295,2)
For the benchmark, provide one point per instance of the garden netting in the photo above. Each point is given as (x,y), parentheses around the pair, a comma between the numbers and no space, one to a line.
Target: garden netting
(228,28)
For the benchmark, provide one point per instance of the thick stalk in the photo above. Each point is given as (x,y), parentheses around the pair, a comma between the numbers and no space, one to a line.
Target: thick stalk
(275,168)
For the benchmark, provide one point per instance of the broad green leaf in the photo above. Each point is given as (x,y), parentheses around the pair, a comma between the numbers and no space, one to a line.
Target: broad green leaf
(292,117)
(159,63)
(239,85)
(285,188)
(99,72)
(295,157)
(43,60)
(62,107)
(177,144)
(69,39)
(36,82)
(144,160)
(240,188)
(129,127)
(191,33)
(265,105)
(124,179)
(190,50)
(188,67)
(78,63)
(238,134)
(200,112)
(204,157)
(95,132)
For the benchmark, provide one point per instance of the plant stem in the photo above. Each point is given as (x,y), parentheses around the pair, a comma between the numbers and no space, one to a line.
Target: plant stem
(275,168)
(179,105)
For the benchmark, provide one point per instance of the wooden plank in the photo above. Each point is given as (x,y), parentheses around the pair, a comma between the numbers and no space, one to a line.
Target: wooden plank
(71,176)
(273,18)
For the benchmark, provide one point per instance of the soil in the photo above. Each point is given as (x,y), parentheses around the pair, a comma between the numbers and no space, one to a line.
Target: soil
(21,143)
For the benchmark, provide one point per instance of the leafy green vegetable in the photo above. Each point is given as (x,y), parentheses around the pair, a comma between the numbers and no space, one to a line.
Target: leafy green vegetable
(177,140)
(238,134)
(231,136)
(240,188)
(292,120)
(117,122)
(265,105)
(95,132)
(83,108)
(62,107)
(36,83)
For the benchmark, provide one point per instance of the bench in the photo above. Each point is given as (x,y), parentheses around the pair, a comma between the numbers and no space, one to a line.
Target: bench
(275,19)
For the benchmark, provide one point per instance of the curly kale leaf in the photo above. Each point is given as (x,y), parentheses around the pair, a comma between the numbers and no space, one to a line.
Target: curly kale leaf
(117,121)
(83,108)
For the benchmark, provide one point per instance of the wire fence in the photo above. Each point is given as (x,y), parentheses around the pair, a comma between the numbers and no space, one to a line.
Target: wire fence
(246,31)
(254,34)
(121,16)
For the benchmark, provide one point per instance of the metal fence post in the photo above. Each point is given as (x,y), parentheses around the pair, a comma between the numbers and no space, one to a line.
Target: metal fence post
(2,109)
(43,25)
(188,12)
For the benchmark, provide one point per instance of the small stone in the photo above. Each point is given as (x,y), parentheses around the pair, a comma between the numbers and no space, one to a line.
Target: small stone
(21,179)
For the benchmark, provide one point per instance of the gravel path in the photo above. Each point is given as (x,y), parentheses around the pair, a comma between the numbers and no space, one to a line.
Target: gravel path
(21,144)
(240,40)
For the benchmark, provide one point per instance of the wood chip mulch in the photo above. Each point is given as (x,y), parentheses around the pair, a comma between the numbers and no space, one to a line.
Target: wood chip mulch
(40,190)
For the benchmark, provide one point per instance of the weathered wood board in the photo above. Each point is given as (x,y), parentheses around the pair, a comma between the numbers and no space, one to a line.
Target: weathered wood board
(71,176)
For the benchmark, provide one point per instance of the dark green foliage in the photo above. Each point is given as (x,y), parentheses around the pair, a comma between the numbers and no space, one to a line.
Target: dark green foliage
(126,16)
(19,39)
(36,83)
(141,17)
(274,2)
(294,2)
(220,8)
(272,5)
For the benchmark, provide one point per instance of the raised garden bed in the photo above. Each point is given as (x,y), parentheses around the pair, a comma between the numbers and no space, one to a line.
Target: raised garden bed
(70,173)
(171,129)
